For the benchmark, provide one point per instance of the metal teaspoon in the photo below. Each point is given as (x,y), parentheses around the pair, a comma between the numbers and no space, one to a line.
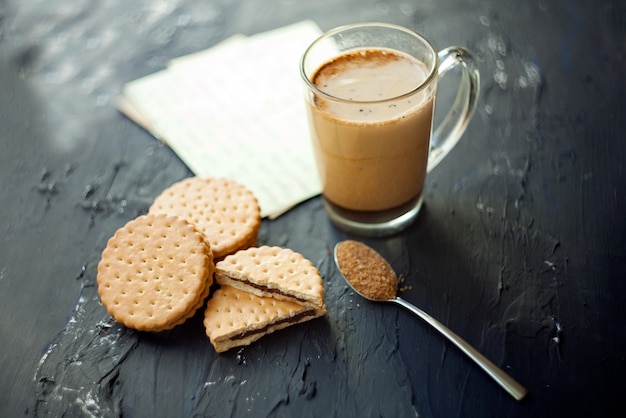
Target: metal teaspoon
(371,276)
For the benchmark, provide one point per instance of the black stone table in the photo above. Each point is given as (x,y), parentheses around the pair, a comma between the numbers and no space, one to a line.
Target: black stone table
(521,247)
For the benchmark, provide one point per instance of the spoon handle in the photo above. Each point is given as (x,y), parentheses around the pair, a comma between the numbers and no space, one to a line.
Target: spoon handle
(507,382)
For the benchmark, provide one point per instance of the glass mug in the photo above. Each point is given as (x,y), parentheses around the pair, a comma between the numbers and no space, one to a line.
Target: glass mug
(370,98)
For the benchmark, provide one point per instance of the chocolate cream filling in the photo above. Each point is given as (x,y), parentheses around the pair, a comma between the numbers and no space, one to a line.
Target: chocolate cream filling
(292,320)
(274,291)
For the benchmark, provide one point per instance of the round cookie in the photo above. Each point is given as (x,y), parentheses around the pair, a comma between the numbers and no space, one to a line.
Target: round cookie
(155,272)
(226,212)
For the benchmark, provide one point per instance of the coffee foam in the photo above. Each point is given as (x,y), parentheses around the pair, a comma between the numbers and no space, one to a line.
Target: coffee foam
(371,86)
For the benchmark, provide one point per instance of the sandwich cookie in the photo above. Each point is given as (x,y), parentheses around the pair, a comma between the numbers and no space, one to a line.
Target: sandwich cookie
(226,212)
(261,290)
(275,272)
(155,273)
(235,318)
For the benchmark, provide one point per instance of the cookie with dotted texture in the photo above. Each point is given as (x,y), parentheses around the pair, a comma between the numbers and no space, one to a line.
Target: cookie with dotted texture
(276,272)
(235,318)
(155,272)
(226,212)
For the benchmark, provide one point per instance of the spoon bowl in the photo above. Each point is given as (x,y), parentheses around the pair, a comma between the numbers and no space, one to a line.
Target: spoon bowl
(371,276)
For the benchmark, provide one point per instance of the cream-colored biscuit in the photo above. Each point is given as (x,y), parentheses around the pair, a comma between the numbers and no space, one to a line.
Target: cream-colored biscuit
(235,318)
(155,272)
(274,272)
(226,212)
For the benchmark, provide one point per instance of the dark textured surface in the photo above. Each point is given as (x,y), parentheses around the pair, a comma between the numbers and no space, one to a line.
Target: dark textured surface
(521,247)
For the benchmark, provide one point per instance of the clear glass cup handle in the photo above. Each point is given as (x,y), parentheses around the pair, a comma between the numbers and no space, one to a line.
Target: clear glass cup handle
(448,133)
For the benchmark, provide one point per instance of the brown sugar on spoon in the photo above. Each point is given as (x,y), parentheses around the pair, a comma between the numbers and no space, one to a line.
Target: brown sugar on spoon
(367,272)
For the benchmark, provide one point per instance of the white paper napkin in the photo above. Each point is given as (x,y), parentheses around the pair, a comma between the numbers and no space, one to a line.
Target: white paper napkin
(237,111)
